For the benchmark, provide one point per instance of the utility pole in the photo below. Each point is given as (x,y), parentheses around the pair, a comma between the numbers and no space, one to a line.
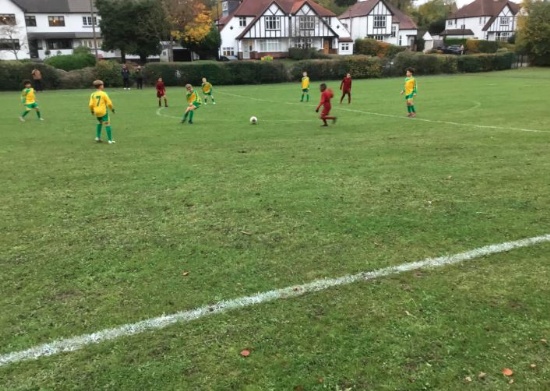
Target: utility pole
(93,29)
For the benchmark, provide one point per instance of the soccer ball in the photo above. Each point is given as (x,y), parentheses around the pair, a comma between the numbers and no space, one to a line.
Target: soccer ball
(253,120)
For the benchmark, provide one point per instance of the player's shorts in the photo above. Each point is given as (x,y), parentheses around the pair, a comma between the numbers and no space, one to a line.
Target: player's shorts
(196,104)
(305,90)
(160,94)
(105,118)
(30,106)
(326,111)
(410,96)
(208,93)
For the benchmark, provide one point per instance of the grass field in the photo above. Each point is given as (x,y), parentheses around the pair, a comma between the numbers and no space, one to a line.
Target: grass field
(175,217)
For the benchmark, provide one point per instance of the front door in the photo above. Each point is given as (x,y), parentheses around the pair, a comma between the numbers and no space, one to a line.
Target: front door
(326,46)
(247,47)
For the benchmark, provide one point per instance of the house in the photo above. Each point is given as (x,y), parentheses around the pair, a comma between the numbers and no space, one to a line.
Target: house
(13,34)
(380,20)
(492,20)
(251,29)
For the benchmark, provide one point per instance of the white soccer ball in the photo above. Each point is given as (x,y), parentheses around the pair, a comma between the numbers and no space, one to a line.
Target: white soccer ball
(253,120)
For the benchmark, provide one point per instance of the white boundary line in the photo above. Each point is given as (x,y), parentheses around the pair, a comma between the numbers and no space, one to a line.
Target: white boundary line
(401,116)
(79,342)
(161,114)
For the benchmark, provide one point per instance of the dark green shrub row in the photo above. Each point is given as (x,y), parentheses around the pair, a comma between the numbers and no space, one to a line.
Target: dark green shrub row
(70,62)
(306,54)
(372,47)
(12,73)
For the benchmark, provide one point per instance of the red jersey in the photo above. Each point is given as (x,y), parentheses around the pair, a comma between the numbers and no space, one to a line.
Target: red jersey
(160,87)
(346,84)
(326,96)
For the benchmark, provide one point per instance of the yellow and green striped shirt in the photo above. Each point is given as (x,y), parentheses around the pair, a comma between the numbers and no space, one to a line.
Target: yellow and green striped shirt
(410,86)
(28,96)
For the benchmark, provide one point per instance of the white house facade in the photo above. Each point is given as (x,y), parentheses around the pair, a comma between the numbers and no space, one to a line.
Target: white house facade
(13,34)
(255,28)
(492,20)
(379,20)
(52,27)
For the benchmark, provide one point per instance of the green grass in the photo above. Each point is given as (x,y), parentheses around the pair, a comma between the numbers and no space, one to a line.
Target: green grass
(97,235)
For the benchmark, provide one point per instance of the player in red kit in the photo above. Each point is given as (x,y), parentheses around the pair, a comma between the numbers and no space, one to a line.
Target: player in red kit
(326,96)
(345,86)
(161,92)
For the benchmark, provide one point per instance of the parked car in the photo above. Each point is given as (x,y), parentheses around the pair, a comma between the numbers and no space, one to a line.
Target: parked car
(228,58)
(453,49)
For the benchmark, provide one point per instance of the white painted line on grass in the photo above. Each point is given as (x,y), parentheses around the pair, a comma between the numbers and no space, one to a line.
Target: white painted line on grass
(79,342)
(403,117)
(161,114)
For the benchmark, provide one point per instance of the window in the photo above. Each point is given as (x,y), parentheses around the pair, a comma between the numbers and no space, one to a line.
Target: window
(89,43)
(272,23)
(87,21)
(9,44)
(306,22)
(377,37)
(463,27)
(345,47)
(503,36)
(379,21)
(224,6)
(327,20)
(450,22)
(345,25)
(228,52)
(400,41)
(481,20)
(56,21)
(393,31)
(59,44)
(504,21)
(30,21)
(304,43)
(242,21)
(270,45)
(7,19)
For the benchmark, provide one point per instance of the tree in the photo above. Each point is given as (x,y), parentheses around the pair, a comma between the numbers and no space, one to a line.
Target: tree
(209,45)
(534,31)
(131,26)
(431,16)
(345,3)
(9,34)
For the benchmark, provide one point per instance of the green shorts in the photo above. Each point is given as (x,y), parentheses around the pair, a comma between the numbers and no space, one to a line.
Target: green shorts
(196,104)
(105,118)
(410,96)
(208,93)
(305,90)
(30,106)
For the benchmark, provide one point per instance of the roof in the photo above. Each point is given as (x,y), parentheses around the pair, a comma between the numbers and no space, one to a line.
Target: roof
(289,7)
(258,7)
(364,8)
(485,8)
(54,6)
(457,32)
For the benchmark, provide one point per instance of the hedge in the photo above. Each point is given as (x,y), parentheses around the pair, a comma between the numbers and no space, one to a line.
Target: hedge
(12,73)
(70,62)
(372,47)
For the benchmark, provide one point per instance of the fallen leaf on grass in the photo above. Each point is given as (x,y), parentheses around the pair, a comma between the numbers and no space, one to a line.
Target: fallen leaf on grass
(481,375)
(246,233)
(245,353)
(511,381)
(468,379)
(507,372)
(533,366)
(543,341)
(185,274)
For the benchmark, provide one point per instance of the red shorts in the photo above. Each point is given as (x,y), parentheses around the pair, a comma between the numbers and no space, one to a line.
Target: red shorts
(326,111)
(160,94)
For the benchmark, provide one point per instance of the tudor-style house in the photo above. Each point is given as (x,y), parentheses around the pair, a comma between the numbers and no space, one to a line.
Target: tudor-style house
(380,20)
(492,20)
(13,34)
(49,27)
(251,29)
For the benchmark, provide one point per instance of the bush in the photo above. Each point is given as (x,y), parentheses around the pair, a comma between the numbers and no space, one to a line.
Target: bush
(305,54)
(456,41)
(425,64)
(79,78)
(486,62)
(473,46)
(372,47)
(71,61)
(109,72)
(360,67)
(12,73)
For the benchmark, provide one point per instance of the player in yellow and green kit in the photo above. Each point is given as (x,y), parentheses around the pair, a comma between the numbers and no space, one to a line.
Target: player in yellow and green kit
(207,91)
(410,91)
(28,98)
(193,103)
(99,102)
(305,87)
